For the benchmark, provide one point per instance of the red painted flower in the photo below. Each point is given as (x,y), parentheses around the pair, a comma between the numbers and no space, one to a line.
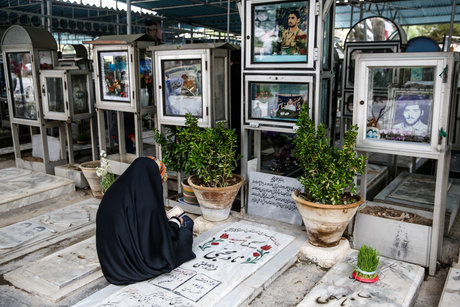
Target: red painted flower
(215,243)
(224,236)
(266,247)
(256,254)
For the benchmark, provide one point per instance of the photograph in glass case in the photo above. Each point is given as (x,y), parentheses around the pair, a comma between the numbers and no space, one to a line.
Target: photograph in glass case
(280,32)
(114,76)
(183,91)
(79,94)
(277,101)
(22,85)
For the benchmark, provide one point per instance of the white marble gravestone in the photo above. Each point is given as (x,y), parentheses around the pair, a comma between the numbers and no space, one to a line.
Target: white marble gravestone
(270,197)
(20,187)
(59,274)
(398,285)
(451,291)
(224,260)
(32,234)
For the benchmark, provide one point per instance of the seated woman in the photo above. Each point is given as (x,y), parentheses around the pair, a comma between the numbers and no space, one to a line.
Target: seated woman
(134,239)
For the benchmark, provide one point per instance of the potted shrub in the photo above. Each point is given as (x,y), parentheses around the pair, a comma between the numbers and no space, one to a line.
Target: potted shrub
(367,264)
(175,152)
(212,159)
(329,201)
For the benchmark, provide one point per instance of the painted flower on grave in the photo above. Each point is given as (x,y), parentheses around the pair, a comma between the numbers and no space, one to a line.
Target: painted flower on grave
(213,242)
(258,255)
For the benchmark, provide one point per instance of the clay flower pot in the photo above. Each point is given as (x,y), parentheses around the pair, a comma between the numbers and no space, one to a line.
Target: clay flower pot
(215,203)
(94,181)
(325,224)
(188,194)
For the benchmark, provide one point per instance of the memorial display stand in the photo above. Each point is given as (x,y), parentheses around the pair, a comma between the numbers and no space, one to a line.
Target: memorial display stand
(27,51)
(287,65)
(421,91)
(194,79)
(123,84)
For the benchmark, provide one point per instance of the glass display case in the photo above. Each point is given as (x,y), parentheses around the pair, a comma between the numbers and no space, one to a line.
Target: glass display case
(276,100)
(194,80)
(66,94)
(403,102)
(279,34)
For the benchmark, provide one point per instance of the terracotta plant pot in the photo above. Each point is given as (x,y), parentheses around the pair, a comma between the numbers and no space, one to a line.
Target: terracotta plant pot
(216,203)
(188,194)
(325,224)
(89,170)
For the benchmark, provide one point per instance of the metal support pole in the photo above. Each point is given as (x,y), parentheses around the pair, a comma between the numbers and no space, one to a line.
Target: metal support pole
(451,28)
(128,16)
(228,21)
(49,12)
(118,24)
(43,14)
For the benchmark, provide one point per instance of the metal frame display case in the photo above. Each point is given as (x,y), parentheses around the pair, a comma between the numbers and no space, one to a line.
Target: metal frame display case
(68,95)
(373,34)
(287,63)
(27,51)
(270,42)
(415,117)
(193,79)
(123,83)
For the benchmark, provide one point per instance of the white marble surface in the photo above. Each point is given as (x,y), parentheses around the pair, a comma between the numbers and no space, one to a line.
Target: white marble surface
(59,274)
(398,285)
(325,257)
(51,224)
(224,260)
(20,187)
(451,292)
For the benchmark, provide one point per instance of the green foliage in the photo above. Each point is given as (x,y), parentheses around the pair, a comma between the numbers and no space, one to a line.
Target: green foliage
(209,153)
(434,31)
(329,172)
(106,181)
(368,261)
(176,144)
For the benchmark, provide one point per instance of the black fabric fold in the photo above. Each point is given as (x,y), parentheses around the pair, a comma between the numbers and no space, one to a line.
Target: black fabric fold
(134,239)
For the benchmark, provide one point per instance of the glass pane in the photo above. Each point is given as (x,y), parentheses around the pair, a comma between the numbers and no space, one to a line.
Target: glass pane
(280,32)
(277,154)
(182,87)
(114,76)
(374,29)
(327,41)
(277,101)
(219,88)
(400,104)
(55,94)
(46,60)
(22,85)
(2,81)
(78,90)
(146,79)
(325,95)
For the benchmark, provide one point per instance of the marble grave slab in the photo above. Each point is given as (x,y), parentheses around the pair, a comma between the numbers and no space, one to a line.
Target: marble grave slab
(59,274)
(20,187)
(224,260)
(398,285)
(25,234)
(451,291)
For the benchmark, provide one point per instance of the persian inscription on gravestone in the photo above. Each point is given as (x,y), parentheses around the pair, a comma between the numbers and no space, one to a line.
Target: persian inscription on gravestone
(270,197)
(222,262)
(19,233)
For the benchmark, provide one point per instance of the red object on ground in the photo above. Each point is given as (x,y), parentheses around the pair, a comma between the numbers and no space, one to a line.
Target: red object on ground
(365,280)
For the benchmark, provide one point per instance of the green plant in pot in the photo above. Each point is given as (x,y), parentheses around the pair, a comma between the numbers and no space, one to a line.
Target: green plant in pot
(212,159)
(329,200)
(175,151)
(367,264)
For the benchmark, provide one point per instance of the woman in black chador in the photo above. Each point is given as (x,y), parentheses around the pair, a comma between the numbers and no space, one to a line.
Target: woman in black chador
(135,240)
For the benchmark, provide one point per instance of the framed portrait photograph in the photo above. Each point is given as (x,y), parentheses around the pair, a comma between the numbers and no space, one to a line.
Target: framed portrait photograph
(278,100)
(114,76)
(280,32)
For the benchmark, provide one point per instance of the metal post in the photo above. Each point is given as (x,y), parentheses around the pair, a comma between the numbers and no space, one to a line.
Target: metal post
(43,14)
(49,12)
(228,21)
(452,17)
(118,24)
(128,16)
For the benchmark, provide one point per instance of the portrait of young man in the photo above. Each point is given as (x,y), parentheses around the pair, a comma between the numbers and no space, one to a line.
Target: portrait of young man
(293,39)
(412,123)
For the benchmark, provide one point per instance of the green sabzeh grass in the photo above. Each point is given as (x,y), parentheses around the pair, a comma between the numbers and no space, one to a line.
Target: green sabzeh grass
(368,261)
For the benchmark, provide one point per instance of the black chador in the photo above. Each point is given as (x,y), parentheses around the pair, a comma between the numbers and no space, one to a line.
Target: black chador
(134,239)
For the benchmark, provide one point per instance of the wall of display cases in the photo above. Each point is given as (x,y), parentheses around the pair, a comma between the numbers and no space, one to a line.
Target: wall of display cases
(404,105)
(27,51)
(123,89)
(68,94)
(287,65)
(370,35)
